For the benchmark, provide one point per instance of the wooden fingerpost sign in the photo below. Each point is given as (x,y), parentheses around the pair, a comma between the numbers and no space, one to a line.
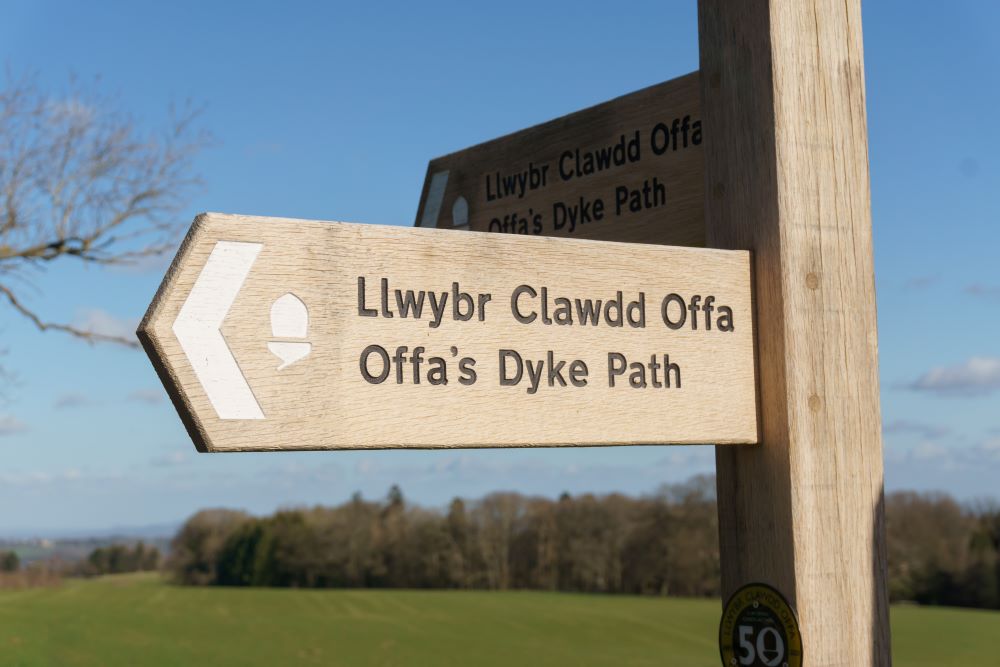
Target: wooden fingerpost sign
(275,334)
(630,169)
(786,176)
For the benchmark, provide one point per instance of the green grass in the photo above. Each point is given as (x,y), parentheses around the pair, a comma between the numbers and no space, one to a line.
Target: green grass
(138,620)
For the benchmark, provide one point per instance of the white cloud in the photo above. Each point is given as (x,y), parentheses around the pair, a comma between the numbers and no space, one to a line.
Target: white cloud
(515,472)
(148,396)
(984,291)
(9,425)
(264,149)
(991,449)
(38,477)
(921,282)
(975,377)
(170,459)
(696,458)
(72,400)
(296,474)
(147,264)
(462,466)
(100,321)
(906,426)
(983,455)
(929,451)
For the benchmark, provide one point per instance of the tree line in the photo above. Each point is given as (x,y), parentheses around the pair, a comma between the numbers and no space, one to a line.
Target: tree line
(14,574)
(120,559)
(9,561)
(940,552)
(662,544)
(111,559)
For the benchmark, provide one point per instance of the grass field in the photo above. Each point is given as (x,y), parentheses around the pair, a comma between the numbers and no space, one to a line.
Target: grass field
(138,620)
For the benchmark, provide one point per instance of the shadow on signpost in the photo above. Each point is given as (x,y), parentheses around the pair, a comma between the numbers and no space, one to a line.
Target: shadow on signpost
(881,632)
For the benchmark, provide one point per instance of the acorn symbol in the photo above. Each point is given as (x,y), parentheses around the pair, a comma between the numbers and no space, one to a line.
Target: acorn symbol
(290,327)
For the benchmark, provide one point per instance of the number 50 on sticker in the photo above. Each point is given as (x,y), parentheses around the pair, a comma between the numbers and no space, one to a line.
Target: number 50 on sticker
(759,629)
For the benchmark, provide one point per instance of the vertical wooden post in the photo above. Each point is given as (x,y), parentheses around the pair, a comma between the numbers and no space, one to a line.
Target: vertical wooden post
(787,177)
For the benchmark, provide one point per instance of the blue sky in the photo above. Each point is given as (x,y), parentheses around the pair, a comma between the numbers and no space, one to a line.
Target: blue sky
(332,110)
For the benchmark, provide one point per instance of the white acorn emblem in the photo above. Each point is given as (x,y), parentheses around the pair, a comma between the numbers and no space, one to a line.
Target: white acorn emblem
(290,325)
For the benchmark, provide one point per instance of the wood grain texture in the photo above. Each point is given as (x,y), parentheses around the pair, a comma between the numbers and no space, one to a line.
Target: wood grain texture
(678,220)
(787,177)
(322,401)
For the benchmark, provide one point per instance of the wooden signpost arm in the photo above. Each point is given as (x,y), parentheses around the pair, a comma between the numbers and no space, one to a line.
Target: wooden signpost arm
(787,177)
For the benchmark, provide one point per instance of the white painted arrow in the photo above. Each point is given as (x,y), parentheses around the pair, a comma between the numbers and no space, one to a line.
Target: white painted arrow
(198,324)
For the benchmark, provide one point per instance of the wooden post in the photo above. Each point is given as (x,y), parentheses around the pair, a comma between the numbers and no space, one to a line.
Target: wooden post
(786,171)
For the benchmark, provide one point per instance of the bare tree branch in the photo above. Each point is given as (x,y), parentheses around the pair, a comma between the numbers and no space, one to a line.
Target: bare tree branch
(80,180)
(89,336)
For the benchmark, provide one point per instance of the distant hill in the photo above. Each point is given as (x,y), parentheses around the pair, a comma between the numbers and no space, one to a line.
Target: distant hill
(73,549)
(149,531)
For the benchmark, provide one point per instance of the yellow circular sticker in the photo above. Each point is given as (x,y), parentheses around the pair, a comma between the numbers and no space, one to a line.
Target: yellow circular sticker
(759,629)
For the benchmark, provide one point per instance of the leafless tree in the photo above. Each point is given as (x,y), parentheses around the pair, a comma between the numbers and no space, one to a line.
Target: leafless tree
(81,181)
